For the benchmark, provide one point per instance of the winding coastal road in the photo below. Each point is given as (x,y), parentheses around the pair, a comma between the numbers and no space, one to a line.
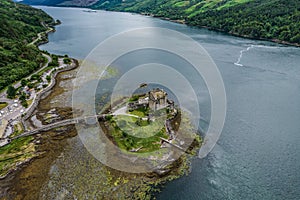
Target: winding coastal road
(15,110)
(40,35)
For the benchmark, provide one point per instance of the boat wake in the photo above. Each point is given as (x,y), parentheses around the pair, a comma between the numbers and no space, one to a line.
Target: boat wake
(238,62)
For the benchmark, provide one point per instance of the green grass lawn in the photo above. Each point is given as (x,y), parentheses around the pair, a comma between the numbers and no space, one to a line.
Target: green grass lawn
(141,112)
(128,135)
(137,127)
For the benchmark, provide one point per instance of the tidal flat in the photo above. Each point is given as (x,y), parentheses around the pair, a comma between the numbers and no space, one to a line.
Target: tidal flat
(64,169)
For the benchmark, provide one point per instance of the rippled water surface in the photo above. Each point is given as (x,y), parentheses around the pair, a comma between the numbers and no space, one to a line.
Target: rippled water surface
(257,156)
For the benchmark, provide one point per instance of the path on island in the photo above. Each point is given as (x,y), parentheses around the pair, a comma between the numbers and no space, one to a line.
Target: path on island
(122,111)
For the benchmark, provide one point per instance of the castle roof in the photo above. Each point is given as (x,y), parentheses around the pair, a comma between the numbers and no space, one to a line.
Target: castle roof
(157,94)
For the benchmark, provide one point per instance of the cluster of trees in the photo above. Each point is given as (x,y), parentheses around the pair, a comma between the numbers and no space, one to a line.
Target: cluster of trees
(12,92)
(19,25)
(264,19)
(67,60)
(272,19)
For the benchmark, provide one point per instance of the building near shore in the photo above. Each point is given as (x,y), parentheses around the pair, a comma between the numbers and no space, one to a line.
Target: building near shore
(155,99)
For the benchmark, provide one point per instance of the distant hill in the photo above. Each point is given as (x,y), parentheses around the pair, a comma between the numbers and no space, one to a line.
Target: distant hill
(277,20)
(82,3)
(19,24)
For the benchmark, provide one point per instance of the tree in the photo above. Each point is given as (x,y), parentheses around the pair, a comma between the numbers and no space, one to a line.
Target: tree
(24,104)
(48,78)
(24,82)
(30,85)
(35,77)
(11,92)
(22,97)
(67,61)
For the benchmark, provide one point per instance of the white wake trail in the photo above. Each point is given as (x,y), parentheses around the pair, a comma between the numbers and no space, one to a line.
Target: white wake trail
(238,62)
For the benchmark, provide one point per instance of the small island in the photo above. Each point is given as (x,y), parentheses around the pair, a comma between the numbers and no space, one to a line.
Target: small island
(151,124)
(145,123)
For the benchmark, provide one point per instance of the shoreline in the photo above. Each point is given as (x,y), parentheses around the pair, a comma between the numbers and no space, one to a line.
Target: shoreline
(181,166)
(182,21)
(179,21)
(42,38)
(142,185)
(29,113)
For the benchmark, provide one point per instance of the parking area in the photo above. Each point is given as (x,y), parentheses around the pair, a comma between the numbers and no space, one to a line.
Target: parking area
(12,111)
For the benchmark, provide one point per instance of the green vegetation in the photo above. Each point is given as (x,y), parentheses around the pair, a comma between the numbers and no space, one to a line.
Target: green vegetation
(18,129)
(3,105)
(140,112)
(19,25)
(17,151)
(135,132)
(134,98)
(67,61)
(132,133)
(129,142)
(261,19)
(51,65)
(23,100)
(11,92)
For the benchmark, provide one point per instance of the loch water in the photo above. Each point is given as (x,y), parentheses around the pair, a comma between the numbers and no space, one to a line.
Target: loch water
(257,155)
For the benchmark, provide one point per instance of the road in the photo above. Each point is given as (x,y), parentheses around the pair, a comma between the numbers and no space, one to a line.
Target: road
(40,36)
(18,84)
(85,119)
(13,109)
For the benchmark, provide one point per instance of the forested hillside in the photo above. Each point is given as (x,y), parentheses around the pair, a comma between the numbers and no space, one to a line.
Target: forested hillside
(19,25)
(82,3)
(266,19)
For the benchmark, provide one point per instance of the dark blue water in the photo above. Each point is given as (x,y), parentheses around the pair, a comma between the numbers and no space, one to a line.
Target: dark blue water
(257,156)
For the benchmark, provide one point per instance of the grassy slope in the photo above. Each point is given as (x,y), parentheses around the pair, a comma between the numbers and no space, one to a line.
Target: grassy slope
(267,19)
(19,24)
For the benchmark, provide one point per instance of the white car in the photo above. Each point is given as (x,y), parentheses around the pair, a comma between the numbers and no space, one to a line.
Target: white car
(2,112)
(15,101)
(15,105)
(21,111)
